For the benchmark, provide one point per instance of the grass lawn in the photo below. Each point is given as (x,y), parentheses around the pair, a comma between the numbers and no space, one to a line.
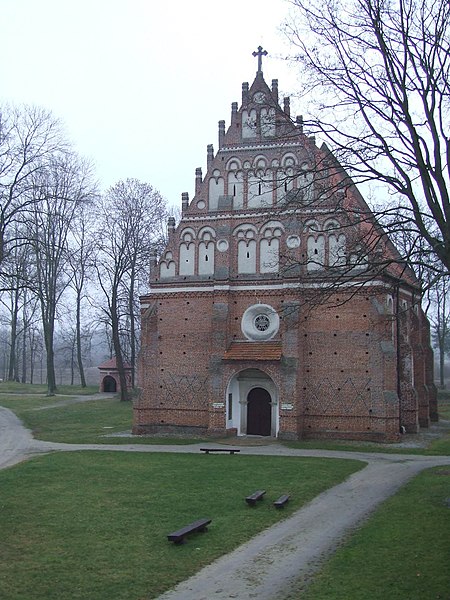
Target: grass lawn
(401,553)
(36,388)
(93,525)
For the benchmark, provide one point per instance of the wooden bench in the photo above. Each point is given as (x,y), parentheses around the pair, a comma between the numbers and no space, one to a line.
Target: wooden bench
(282,500)
(229,450)
(178,536)
(253,498)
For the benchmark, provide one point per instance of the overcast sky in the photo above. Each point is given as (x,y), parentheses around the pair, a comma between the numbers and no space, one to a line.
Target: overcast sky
(140,84)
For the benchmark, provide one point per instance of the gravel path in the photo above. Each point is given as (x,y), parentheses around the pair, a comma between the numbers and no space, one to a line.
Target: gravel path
(270,564)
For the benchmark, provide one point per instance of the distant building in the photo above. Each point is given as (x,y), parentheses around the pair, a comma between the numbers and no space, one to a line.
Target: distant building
(263,316)
(109,376)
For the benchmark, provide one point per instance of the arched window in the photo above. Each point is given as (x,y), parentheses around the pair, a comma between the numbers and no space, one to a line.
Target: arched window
(248,124)
(206,250)
(167,266)
(216,189)
(246,256)
(187,253)
(268,122)
(260,189)
(269,252)
(336,248)
(316,252)
(236,188)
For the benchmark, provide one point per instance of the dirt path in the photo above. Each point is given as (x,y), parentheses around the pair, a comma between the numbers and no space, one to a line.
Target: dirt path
(269,565)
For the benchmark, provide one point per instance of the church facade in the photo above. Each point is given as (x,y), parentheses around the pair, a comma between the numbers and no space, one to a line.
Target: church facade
(269,312)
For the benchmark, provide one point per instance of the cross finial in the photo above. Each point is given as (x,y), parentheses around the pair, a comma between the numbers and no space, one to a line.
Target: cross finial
(260,53)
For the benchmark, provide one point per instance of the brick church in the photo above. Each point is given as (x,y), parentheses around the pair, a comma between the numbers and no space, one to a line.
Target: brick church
(279,307)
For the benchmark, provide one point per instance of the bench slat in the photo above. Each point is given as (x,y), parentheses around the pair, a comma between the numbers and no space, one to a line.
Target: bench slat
(282,500)
(229,450)
(253,498)
(178,536)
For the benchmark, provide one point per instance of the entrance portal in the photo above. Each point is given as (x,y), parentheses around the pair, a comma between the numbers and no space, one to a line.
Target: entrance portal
(259,412)
(109,384)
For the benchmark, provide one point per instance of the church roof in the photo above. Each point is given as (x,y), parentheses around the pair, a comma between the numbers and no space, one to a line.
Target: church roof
(253,351)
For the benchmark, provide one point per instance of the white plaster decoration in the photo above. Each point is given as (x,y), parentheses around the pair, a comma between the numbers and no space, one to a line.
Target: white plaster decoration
(330,225)
(187,235)
(389,304)
(358,259)
(269,255)
(276,228)
(260,322)
(201,204)
(206,258)
(187,259)
(260,189)
(268,128)
(247,165)
(289,159)
(260,162)
(236,188)
(247,256)
(216,189)
(222,245)
(316,252)
(233,164)
(281,185)
(166,269)
(290,177)
(293,241)
(248,124)
(305,183)
(312,226)
(243,229)
(207,233)
(337,250)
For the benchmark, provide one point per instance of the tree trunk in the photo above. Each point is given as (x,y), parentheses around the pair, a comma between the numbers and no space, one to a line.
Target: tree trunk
(79,354)
(132,329)
(117,348)
(50,363)
(13,338)
(441,361)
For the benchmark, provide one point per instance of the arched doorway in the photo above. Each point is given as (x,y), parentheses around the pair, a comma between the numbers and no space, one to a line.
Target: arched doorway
(257,388)
(259,412)
(109,384)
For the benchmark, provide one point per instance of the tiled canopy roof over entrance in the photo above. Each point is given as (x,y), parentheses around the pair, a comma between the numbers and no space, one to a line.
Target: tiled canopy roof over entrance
(253,351)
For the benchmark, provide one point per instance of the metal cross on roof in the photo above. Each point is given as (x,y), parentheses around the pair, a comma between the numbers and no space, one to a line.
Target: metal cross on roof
(260,53)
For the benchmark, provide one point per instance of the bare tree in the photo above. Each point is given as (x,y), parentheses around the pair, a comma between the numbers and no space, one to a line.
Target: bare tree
(132,214)
(379,74)
(60,189)
(28,136)
(81,258)
(439,315)
(14,300)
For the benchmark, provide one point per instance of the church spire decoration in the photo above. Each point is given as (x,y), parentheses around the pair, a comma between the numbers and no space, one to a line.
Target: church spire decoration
(259,53)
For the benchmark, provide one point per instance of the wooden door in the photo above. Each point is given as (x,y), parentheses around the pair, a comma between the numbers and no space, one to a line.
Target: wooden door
(259,412)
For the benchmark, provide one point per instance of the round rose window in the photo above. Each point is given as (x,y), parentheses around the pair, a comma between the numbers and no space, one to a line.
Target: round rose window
(260,322)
